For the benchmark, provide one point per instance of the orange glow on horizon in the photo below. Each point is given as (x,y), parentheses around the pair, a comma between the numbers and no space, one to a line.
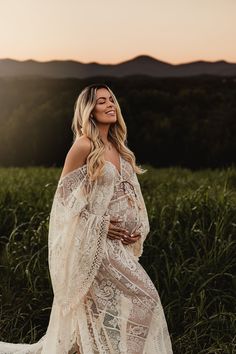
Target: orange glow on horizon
(108,32)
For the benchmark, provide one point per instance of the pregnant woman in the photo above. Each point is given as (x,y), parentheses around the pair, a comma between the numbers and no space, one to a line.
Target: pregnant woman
(104,301)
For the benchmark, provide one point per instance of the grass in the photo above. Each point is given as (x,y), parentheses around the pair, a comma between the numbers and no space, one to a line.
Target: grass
(190,254)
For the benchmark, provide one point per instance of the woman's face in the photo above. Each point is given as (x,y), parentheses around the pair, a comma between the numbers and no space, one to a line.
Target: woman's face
(104,110)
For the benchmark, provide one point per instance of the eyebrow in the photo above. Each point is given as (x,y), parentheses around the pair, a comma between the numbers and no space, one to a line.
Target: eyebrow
(102,97)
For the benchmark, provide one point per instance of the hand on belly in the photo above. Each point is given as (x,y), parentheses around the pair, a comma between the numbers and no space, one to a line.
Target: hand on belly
(124,230)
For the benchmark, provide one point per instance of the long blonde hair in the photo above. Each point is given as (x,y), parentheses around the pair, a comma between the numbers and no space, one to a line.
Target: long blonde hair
(82,124)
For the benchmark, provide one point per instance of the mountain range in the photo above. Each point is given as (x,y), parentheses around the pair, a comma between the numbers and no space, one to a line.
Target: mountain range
(140,65)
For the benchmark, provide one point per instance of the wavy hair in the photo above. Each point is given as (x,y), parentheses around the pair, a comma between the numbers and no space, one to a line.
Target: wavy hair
(83,124)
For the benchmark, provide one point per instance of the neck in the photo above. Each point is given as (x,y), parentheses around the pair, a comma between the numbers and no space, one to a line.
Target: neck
(103,130)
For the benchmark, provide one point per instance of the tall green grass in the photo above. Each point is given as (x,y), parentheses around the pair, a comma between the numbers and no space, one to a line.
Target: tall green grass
(190,254)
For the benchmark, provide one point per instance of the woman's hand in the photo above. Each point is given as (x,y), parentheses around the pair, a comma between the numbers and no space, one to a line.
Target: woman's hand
(118,233)
(131,238)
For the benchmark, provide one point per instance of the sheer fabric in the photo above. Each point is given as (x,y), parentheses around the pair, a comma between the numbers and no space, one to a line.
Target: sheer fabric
(104,301)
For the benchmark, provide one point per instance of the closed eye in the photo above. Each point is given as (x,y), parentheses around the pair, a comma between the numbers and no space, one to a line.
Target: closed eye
(101,102)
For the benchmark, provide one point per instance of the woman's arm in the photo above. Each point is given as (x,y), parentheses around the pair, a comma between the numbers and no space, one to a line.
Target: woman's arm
(77,155)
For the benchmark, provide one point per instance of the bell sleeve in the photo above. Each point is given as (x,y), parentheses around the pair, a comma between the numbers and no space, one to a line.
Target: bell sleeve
(144,227)
(76,238)
(78,226)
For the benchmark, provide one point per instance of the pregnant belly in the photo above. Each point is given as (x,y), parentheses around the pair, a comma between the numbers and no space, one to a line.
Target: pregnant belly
(127,213)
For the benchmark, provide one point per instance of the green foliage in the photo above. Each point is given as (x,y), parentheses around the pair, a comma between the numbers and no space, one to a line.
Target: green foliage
(188,122)
(26,294)
(190,254)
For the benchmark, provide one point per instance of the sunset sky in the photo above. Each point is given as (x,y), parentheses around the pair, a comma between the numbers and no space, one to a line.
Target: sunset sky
(111,31)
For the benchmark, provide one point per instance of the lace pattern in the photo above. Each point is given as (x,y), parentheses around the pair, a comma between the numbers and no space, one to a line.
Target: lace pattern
(104,301)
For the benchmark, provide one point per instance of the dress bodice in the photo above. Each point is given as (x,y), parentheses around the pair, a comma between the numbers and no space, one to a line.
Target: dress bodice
(124,204)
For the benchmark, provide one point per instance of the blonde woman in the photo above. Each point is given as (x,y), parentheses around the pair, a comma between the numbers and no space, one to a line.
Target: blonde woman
(104,301)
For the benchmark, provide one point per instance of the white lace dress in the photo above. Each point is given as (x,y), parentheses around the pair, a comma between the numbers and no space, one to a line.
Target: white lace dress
(104,301)
(123,308)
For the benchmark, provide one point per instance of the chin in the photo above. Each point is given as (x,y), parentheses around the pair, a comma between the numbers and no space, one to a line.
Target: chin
(112,120)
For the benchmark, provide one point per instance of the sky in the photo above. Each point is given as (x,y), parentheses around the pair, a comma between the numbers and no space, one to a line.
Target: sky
(112,31)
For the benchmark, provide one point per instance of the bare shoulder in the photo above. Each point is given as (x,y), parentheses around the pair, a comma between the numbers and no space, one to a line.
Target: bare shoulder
(77,155)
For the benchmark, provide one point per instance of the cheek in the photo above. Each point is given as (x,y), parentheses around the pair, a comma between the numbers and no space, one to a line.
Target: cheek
(99,109)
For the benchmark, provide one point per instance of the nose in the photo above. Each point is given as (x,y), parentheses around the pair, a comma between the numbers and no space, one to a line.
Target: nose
(110,104)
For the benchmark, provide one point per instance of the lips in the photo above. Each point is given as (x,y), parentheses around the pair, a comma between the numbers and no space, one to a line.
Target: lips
(111,112)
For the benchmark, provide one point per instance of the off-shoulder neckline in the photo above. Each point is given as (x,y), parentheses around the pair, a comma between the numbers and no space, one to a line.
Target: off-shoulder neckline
(85,166)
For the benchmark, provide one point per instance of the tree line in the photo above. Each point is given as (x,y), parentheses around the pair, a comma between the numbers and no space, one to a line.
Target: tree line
(186,122)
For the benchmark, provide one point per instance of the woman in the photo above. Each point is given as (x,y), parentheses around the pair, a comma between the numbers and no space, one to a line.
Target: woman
(104,301)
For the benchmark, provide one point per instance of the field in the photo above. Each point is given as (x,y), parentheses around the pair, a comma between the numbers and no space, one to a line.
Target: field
(190,254)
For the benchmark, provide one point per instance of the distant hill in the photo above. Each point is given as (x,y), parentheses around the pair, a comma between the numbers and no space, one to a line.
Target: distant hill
(140,65)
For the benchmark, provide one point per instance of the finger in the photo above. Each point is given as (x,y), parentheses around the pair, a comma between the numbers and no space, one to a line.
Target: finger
(135,238)
(113,237)
(119,230)
(116,232)
(115,220)
(114,226)
(129,239)
(125,242)
(135,234)
(126,239)
(118,227)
